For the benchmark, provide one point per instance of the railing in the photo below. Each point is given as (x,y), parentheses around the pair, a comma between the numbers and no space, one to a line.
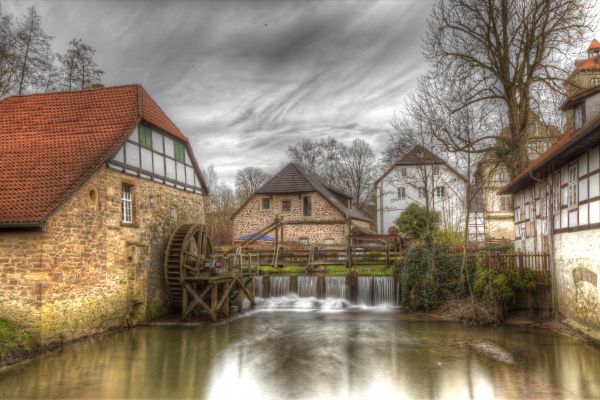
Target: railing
(312,255)
(538,263)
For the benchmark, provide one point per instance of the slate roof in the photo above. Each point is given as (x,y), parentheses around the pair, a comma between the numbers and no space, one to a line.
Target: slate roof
(293,178)
(418,155)
(52,143)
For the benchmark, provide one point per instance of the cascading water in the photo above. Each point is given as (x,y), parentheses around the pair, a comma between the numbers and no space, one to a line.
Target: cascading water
(258,286)
(383,290)
(307,286)
(363,296)
(336,287)
(280,286)
(375,291)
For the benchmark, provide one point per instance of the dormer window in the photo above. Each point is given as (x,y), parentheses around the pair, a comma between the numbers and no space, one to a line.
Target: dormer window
(579,116)
(145,136)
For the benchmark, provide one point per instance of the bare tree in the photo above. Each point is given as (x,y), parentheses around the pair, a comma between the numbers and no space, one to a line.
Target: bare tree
(219,207)
(511,52)
(7,54)
(248,180)
(357,172)
(319,156)
(79,70)
(32,49)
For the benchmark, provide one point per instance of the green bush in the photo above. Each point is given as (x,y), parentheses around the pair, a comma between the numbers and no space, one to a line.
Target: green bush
(497,288)
(429,276)
(416,222)
(13,338)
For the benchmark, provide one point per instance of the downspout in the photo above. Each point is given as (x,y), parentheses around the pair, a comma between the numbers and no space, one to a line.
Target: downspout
(381,208)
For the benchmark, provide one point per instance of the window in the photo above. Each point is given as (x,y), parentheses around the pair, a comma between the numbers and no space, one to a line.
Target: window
(594,81)
(179,152)
(503,174)
(307,205)
(579,116)
(440,191)
(145,136)
(401,192)
(436,170)
(303,240)
(286,206)
(505,203)
(532,147)
(532,128)
(265,203)
(573,186)
(126,204)
(328,242)
(403,171)
(174,213)
(421,190)
(556,193)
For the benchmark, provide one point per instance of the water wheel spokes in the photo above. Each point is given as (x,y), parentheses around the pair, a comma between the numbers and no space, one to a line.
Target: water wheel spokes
(188,252)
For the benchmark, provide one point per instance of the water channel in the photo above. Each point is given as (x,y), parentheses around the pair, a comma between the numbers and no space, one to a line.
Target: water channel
(332,354)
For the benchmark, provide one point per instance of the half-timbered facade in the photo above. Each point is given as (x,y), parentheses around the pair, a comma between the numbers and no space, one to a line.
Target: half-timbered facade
(92,184)
(557,209)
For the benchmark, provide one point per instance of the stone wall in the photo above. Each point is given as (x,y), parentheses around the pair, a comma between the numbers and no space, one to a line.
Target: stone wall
(251,218)
(84,272)
(577,270)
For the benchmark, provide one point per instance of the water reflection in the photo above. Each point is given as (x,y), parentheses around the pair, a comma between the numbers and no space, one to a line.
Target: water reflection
(314,355)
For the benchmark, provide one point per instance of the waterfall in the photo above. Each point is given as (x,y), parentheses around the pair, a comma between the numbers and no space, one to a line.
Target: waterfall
(258,286)
(307,286)
(363,295)
(336,287)
(280,286)
(383,290)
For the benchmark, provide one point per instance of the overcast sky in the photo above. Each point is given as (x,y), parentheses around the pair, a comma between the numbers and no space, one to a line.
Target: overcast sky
(246,79)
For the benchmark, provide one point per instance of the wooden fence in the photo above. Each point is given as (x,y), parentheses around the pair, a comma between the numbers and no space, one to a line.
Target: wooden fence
(316,255)
(538,263)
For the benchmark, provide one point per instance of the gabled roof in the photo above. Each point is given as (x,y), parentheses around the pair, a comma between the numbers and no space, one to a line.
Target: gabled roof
(52,143)
(418,155)
(594,46)
(293,178)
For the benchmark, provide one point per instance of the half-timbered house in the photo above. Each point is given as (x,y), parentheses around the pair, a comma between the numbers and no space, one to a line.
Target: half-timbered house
(92,184)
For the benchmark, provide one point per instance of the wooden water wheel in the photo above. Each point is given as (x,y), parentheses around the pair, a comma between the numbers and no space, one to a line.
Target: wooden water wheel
(188,253)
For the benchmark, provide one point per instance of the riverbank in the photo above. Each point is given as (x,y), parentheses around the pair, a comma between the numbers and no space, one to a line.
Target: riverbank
(15,344)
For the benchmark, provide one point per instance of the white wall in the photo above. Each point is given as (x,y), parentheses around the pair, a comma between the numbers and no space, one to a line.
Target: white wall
(389,206)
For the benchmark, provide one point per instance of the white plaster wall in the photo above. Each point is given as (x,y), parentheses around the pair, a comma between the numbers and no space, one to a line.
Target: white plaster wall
(579,301)
(389,206)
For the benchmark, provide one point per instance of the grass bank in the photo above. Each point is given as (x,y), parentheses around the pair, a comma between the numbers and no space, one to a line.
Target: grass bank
(15,343)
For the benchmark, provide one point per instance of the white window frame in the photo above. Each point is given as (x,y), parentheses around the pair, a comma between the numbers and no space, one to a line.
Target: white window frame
(126,204)
(579,118)
(556,193)
(421,190)
(505,203)
(436,170)
(440,191)
(401,193)
(403,172)
(573,188)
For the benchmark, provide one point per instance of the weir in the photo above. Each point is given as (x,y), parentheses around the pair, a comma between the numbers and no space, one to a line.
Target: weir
(368,290)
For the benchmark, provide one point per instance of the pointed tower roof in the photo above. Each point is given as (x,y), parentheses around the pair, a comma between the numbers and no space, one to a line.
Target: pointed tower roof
(594,46)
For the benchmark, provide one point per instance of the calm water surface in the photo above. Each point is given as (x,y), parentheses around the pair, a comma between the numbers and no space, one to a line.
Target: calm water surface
(287,355)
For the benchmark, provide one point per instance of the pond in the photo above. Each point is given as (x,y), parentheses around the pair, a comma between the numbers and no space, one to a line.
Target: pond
(315,355)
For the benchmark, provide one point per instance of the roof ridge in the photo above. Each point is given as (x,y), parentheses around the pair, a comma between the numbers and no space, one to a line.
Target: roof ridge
(91,89)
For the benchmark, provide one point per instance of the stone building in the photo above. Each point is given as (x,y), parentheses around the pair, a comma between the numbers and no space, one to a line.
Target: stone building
(92,184)
(421,177)
(557,209)
(313,211)
(494,175)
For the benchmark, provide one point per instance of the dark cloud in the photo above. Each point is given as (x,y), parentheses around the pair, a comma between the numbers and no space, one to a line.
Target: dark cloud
(247,79)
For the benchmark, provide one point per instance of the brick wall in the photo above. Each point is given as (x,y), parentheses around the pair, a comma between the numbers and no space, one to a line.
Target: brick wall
(251,218)
(84,272)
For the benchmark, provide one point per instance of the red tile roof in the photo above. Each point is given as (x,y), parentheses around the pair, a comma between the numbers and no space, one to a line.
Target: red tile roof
(587,64)
(52,143)
(594,45)
(564,139)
